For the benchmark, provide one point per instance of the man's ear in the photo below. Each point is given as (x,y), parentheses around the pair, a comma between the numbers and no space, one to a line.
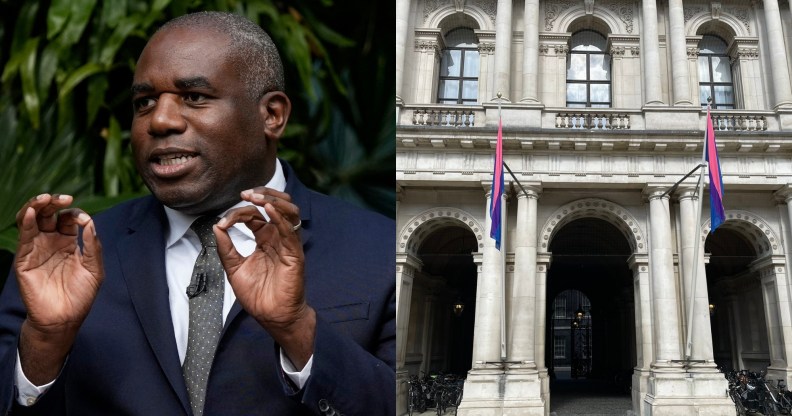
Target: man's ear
(275,108)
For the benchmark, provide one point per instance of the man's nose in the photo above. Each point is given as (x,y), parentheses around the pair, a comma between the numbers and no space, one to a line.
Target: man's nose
(167,117)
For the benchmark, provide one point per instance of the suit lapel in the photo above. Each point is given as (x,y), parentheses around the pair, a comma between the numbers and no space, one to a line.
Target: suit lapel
(142,256)
(301,196)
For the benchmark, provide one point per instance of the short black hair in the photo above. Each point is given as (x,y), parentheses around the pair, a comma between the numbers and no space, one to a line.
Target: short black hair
(261,66)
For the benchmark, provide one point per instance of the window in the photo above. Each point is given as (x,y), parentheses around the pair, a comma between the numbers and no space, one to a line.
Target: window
(714,70)
(559,347)
(559,305)
(588,71)
(459,69)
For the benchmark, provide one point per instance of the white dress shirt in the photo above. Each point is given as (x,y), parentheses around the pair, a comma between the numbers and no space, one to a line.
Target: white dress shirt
(182,247)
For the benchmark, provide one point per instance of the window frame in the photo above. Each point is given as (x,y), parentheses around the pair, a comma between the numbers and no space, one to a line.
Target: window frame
(588,82)
(712,84)
(459,79)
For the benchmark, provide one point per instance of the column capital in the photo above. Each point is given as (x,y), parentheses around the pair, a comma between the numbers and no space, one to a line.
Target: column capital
(638,260)
(408,260)
(656,191)
(784,194)
(532,190)
(686,192)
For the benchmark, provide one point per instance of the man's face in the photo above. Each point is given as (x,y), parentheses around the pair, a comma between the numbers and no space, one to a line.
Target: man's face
(197,136)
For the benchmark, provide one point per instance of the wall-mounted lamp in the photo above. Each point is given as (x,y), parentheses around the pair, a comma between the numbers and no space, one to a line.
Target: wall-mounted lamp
(458,307)
(712,309)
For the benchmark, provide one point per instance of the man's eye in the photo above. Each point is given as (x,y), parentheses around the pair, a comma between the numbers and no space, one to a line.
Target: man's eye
(194,97)
(143,103)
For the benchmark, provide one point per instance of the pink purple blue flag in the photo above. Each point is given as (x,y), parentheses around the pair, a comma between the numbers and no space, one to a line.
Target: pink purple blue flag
(717,216)
(497,190)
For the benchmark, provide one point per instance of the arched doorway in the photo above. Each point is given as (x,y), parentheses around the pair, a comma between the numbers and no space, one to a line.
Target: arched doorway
(590,255)
(442,311)
(737,308)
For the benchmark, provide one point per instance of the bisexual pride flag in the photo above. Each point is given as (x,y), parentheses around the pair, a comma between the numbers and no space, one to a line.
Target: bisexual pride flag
(497,190)
(717,216)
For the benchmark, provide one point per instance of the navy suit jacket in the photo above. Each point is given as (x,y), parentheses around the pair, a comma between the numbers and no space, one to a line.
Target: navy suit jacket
(124,360)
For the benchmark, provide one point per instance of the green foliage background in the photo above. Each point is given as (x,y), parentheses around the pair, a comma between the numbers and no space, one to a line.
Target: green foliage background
(65,105)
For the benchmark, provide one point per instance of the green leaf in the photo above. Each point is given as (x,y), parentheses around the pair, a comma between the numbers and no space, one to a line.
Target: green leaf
(113,159)
(77,76)
(113,12)
(8,239)
(48,65)
(57,16)
(24,25)
(97,86)
(80,15)
(27,72)
(120,34)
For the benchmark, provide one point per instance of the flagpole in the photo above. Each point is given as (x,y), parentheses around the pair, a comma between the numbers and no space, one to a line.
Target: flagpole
(503,261)
(696,241)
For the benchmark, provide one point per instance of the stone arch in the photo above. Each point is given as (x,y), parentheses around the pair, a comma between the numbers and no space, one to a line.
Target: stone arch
(576,18)
(421,225)
(726,26)
(594,208)
(756,230)
(435,18)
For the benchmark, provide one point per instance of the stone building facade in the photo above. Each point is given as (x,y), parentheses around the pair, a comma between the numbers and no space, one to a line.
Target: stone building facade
(603,107)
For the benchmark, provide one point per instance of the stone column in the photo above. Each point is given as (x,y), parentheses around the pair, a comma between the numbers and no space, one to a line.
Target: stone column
(503,39)
(428,43)
(402,23)
(639,264)
(690,229)
(679,64)
(406,265)
(665,307)
(523,300)
(746,73)
(531,52)
(778,59)
(487,327)
(428,330)
(486,51)
(651,53)
(542,266)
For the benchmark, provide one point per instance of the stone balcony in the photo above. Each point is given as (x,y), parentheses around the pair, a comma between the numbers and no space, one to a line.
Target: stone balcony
(530,117)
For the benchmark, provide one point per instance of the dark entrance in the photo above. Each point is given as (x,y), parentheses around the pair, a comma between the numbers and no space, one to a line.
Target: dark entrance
(589,265)
(448,278)
(737,310)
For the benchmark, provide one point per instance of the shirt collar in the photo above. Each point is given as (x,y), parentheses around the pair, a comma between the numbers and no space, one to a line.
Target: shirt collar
(180,222)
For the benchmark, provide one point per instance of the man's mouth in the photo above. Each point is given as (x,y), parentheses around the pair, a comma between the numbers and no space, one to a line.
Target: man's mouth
(173,160)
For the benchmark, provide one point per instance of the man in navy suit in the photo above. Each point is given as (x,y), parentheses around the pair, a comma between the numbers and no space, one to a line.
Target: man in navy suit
(94,318)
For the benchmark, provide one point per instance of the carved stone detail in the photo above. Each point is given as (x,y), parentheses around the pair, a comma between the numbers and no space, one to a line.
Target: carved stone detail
(693,53)
(430,6)
(625,11)
(552,10)
(421,225)
(741,13)
(596,208)
(691,11)
(487,48)
(716,10)
(487,6)
(427,46)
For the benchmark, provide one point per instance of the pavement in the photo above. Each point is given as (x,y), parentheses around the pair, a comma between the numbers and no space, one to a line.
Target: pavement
(579,398)
(588,398)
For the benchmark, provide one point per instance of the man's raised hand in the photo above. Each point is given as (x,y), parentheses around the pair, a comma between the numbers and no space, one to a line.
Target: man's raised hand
(58,281)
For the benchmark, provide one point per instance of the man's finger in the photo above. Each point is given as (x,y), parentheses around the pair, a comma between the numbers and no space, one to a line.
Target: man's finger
(92,248)
(70,220)
(286,229)
(228,254)
(266,192)
(280,200)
